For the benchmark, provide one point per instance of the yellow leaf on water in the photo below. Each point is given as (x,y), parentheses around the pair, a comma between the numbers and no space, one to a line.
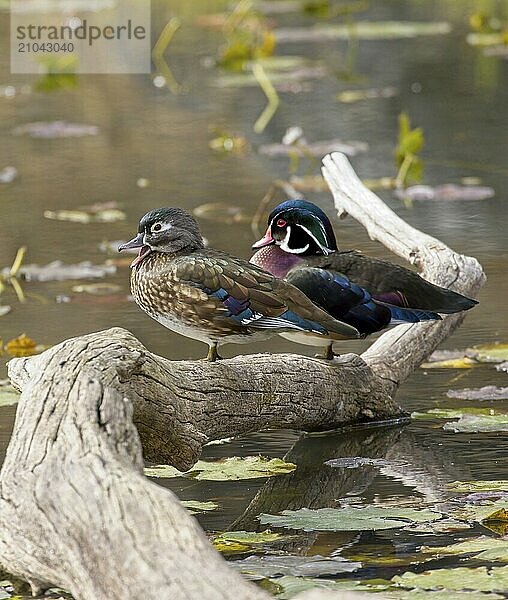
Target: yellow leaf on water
(500,515)
(453,363)
(21,346)
(489,352)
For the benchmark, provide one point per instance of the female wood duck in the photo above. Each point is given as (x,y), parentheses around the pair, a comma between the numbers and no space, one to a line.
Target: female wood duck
(212,296)
(368,293)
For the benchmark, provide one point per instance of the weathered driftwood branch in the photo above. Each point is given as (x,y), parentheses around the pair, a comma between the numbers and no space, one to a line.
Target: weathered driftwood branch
(181,405)
(75,509)
(397,353)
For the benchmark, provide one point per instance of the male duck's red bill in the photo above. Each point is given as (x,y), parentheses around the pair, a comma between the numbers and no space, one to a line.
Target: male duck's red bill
(266,240)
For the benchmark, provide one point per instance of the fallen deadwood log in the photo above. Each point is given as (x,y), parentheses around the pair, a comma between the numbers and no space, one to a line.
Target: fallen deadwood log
(75,508)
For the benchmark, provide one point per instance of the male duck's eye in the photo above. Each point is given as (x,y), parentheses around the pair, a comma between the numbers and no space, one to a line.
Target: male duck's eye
(281,223)
(157,227)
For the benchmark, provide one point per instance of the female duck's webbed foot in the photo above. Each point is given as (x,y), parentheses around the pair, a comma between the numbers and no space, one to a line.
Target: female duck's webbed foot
(212,355)
(328,353)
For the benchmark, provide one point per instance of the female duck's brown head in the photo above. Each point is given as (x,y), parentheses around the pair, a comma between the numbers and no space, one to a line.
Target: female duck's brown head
(167,229)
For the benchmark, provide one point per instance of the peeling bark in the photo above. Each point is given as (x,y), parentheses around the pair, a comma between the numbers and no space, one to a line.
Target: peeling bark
(75,508)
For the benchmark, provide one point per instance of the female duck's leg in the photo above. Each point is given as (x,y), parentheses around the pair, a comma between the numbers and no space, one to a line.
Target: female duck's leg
(212,355)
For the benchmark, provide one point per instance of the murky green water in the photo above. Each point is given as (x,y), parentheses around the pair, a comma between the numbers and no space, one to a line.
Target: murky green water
(454,92)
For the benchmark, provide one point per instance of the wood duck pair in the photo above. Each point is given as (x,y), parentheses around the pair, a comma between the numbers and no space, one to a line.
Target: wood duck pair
(368,293)
(214,297)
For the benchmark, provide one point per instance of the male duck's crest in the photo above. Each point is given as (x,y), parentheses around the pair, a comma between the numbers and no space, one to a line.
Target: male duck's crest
(299,227)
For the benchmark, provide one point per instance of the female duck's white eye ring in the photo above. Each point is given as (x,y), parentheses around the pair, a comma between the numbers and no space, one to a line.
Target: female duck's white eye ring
(157,227)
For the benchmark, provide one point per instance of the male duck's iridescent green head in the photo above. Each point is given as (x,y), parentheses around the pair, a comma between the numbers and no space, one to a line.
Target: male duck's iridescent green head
(169,230)
(299,227)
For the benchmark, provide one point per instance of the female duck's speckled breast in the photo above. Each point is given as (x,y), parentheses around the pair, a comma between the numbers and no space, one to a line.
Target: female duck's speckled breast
(151,293)
(177,305)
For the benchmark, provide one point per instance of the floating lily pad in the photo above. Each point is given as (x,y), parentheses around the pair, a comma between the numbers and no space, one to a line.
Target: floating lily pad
(258,567)
(480,513)
(235,468)
(381,555)
(58,271)
(478,424)
(8,396)
(220,212)
(8,174)
(495,353)
(487,392)
(486,38)
(252,538)
(229,469)
(471,420)
(453,413)
(162,471)
(438,595)
(441,526)
(55,129)
(364,30)
(235,542)
(317,149)
(109,215)
(96,289)
(478,579)
(439,355)
(352,462)
(368,518)
(350,96)
(446,192)
(486,548)
(291,586)
(479,486)
(195,506)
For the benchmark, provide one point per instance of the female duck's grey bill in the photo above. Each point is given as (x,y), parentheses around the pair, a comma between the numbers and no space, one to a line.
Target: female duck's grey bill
(136,242)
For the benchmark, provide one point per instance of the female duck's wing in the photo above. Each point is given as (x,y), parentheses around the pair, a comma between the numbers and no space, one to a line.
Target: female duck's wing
(247,296)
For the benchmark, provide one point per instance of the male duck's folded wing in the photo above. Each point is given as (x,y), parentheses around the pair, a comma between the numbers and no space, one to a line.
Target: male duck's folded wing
(393,283)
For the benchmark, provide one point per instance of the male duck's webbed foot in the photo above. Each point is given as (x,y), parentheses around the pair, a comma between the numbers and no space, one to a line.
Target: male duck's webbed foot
(212,355)
(328,353)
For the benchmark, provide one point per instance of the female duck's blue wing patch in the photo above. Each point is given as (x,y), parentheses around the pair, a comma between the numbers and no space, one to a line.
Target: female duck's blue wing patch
(241,312)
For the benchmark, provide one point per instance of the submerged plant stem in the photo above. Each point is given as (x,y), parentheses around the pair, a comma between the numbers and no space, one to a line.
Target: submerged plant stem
(270,92)
(18,261)
(159,49)
(403,170)
(18,289)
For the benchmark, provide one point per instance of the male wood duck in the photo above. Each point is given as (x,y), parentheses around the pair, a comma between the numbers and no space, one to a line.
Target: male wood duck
(212,296)
(368,293)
